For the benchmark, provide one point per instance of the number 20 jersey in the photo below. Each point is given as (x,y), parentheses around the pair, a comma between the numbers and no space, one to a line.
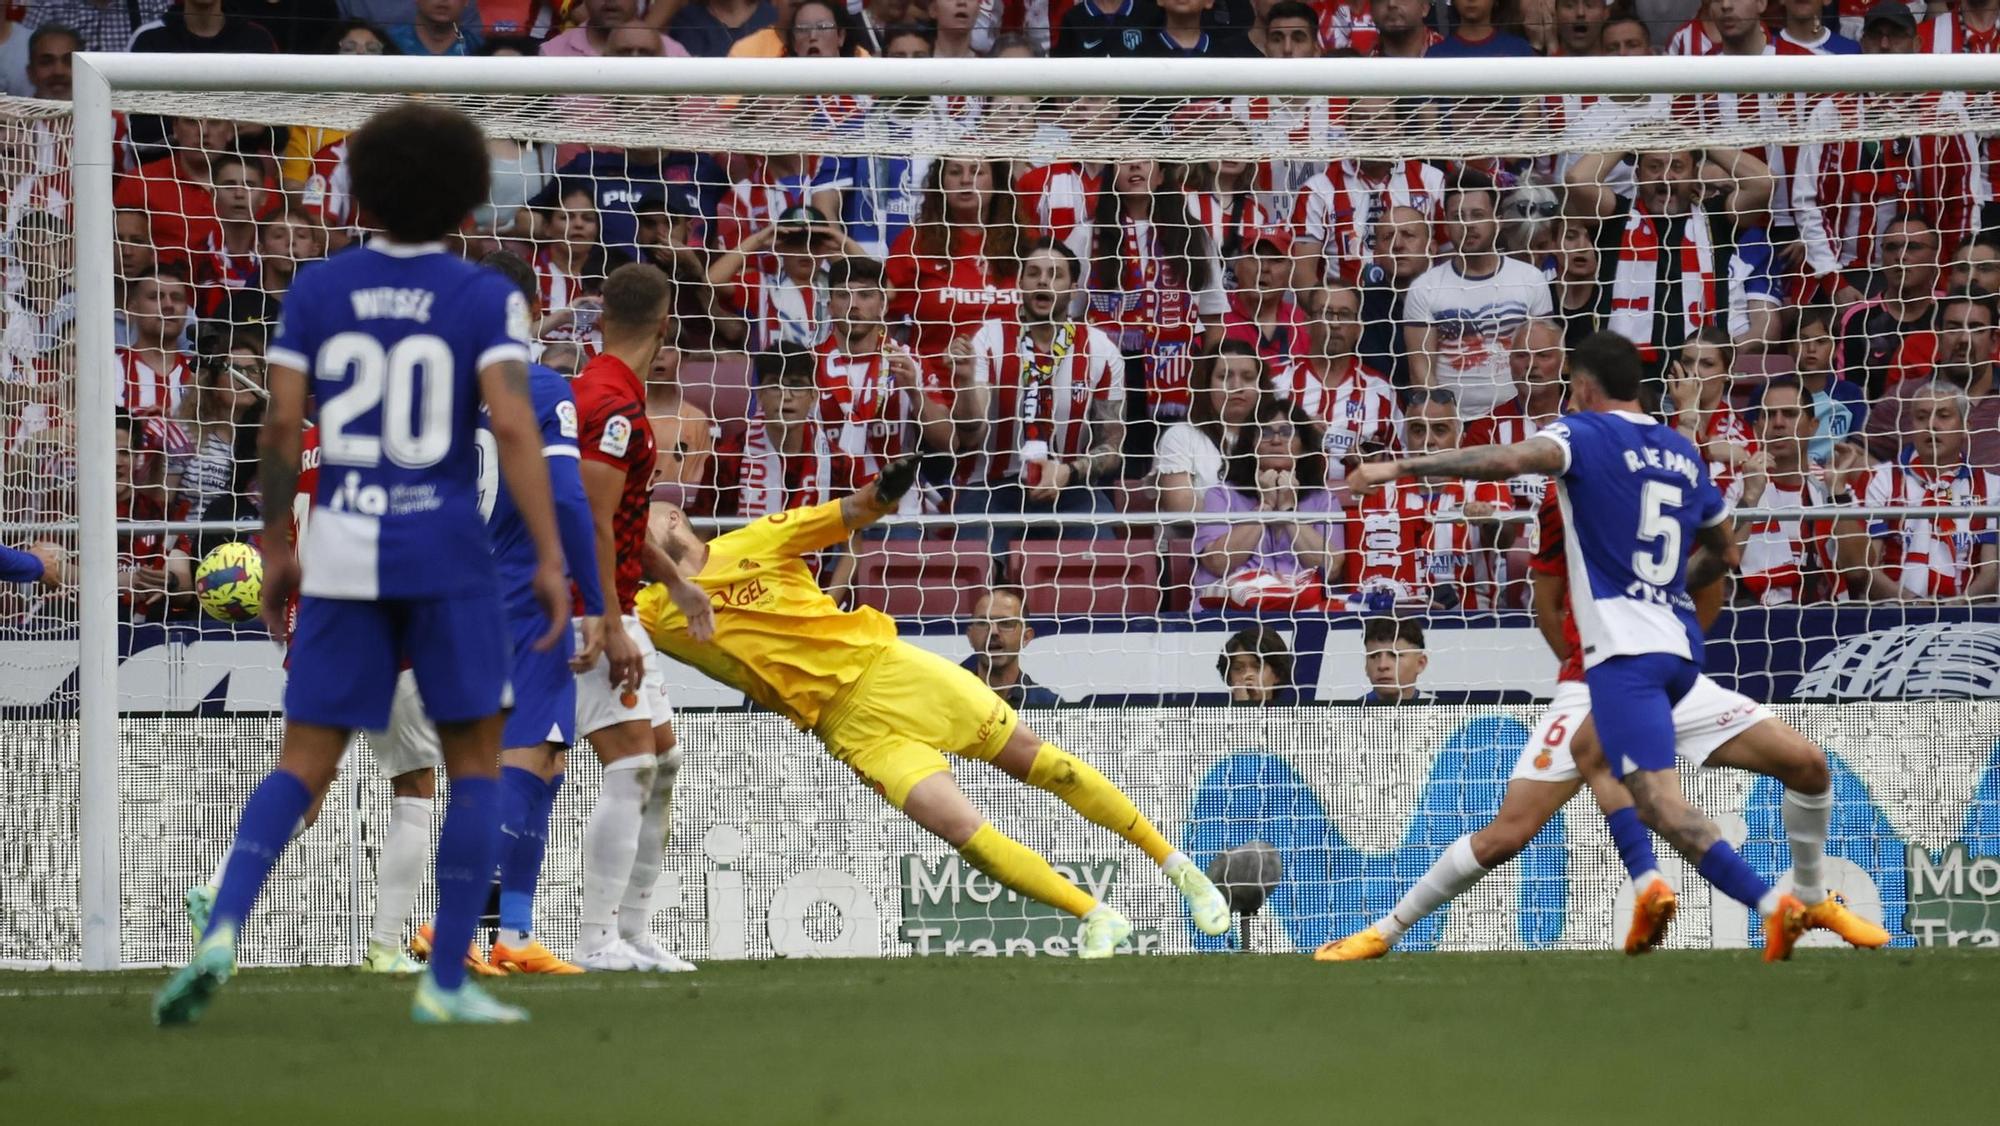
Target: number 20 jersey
(1633,490)
(393,338)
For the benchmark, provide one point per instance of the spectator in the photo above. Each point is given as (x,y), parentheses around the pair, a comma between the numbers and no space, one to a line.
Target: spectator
(1537,367)
(1580,301)
(201,452)
(773,185)
(1464,314)
(1972,27)
(786,304)
(1975,265)
(773,467)
(39,302)
(285,239)
(1153,280)
(1798,561)
(1474,36)
(48,64)
(1283,565)
(1655,302)
(297,26)
(155,373)
(618,178)
(1342,211)
(1352,401)
(873,407)
(1229,386)
(1964,355)
(1892,335)
(1089,30)
(1222,198)
(817,29)
(1289,30)
(572,267)
(202,26)
(997,633)
(1181,35)
(1403,238)
(1393,658)
(958,266)
(1400,32)
(1261,312)
(1404,554)
(173,191)
(1042,415)
(1839,408)
(1700,384)
(683,434)
(438,31)
(155,571)
(229,261)
(1256,667)
(134,242)
(709,28)
(100,25)
(1889,27)
(1942,557)
(668,241)
(1579,28)
(952,25)
(875,22)
(594,37)
(1805,31)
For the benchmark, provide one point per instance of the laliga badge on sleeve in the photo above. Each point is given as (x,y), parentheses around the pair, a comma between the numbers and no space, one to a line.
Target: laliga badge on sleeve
(617,436)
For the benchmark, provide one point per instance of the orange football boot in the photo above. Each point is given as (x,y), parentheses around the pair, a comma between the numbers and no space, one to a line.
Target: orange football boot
(1782,929)
(531,958)
(1832,914)
(1652,909)
(420,945)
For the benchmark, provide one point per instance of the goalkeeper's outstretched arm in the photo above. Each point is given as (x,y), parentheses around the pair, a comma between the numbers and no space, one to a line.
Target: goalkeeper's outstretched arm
(880,497)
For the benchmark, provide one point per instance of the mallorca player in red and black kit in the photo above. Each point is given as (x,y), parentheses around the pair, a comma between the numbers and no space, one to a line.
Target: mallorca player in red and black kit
(1545,777)
(621,702)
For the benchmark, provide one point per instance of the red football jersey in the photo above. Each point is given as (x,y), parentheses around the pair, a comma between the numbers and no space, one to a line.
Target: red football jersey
(614,430)
(1550,559)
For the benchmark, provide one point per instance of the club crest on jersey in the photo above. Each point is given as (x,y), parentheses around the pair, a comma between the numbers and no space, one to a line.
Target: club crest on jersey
(566,419)
(1131,38)
(617,436)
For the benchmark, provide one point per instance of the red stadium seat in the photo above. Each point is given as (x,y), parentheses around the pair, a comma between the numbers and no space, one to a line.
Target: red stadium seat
(720,386)
(1086,576)
(922,578)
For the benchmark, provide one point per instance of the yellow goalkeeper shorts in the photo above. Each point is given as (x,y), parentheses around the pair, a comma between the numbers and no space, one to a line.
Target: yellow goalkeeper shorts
(909,708)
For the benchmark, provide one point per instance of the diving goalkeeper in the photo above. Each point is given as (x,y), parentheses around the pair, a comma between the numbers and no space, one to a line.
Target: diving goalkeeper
(887,708)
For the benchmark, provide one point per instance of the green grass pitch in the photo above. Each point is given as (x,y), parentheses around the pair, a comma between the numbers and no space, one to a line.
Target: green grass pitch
(1834,1037)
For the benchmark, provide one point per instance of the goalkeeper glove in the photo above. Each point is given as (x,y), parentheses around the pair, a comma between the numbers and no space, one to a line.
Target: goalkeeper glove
(896,479)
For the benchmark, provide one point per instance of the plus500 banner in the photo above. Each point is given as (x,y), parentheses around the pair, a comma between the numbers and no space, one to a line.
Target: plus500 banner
(776,849)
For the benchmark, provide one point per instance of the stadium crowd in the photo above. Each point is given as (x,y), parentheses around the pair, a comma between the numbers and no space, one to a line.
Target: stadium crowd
(1098,341)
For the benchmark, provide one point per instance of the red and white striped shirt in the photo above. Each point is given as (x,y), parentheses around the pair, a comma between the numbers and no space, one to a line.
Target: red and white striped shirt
(1932,558)
(1339,207)
(863,420)
(1401,547)
(1846,193)
(1792,561)
(1229,224)
(145,390)
(1947,34)
(1040,398)
(326,190)
(1725,425)
(1058,199)
(1356,407)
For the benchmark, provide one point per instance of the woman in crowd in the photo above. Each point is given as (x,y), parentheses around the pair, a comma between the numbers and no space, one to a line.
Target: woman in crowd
(1153,281)
(1281,565)
(1579,298)
(1229,385)
(1699,384)
(816,30)
(571,268)
(958,266)
(201,457)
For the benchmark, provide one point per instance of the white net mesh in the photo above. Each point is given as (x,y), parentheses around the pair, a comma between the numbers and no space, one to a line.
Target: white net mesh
(1140,341)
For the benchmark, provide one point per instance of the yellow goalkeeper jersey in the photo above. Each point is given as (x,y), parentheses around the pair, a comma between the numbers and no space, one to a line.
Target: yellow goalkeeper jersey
(778,638)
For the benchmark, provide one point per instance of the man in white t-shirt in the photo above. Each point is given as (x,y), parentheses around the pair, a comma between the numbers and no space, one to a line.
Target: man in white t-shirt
(1463,315)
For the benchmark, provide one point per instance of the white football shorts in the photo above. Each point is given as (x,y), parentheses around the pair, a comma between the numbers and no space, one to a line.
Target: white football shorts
(1546,756)
(599,704)
(410,742)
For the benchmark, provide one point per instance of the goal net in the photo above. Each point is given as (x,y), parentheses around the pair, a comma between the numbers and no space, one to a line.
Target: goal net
(1141,322)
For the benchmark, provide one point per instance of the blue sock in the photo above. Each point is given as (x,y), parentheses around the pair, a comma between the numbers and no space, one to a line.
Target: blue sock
(275,806)
(524,828)
(464,872)
(1721,866)
(1635,844)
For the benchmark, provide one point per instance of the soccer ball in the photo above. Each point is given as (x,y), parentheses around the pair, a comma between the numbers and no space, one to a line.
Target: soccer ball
(230,583)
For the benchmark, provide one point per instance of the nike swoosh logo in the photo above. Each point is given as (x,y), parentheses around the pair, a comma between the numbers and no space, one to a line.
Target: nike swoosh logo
(1091,44)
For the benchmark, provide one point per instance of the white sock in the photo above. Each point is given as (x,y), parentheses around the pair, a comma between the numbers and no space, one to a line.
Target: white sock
(1443,881)
(1174,860)
(511,938)
(1645,880)
(1806,819)
(215,878)
(406,849)
(635,911)
(610,842)
(1769,903)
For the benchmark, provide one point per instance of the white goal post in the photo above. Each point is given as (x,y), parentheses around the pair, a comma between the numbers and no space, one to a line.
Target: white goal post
(752,106)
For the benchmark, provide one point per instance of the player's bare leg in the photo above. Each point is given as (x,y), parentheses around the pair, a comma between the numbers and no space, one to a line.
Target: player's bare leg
(307,763)
(1654,903)
(940,807)
(1662,806)
(467,843)
(1028,757)
(1527,806)
(635,910)
(1776,750)
(611,840)
(531,777)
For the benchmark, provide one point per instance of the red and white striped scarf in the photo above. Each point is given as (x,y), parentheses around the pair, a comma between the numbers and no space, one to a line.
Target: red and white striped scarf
(764,484)
(1340,212)
(1932,558)
(1636,276)
(1787,561)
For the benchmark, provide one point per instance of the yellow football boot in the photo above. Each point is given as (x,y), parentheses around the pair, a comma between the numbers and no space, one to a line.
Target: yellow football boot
(1652,910)
(1360,946)
(531,958)
(1831,914)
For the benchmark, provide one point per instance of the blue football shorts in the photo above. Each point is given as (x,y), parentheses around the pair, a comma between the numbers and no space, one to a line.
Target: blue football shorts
(345,655)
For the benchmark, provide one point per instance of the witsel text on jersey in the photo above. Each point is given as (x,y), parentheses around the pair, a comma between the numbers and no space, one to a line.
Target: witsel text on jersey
(388,302)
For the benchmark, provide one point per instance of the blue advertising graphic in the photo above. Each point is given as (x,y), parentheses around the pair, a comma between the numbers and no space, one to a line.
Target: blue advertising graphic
(1330,887)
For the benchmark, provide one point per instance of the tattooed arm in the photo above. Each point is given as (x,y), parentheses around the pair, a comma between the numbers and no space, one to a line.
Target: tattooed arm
(1479,463)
